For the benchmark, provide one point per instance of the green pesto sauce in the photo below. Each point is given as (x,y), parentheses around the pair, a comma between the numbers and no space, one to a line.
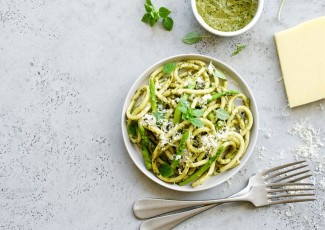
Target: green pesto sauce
(227,15)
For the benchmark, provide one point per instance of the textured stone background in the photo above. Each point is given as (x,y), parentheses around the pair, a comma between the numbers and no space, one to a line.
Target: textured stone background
(65,69)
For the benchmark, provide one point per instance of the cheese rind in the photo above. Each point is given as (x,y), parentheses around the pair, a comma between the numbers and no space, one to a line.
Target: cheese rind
(301,51)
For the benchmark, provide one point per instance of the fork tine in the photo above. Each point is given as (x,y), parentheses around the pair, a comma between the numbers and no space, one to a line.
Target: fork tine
(264,172)
(289,189)
(284,172)
(291,201)
(288,184)
(298,178)
(291,175)
(290,195)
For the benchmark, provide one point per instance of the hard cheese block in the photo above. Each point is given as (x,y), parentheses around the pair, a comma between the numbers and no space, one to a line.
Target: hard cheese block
(301,51)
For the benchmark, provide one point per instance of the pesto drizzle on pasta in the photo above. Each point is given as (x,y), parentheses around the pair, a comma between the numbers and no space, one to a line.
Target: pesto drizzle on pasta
(188,124)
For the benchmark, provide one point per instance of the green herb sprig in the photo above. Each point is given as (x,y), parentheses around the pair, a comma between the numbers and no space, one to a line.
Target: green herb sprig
(193,37)
(192,115)
(168,68)
(152,16)
(239,48)
(216,72)
(222,114)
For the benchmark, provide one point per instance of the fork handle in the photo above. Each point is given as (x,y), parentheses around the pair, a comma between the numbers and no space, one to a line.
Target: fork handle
(172,220)
(150,207)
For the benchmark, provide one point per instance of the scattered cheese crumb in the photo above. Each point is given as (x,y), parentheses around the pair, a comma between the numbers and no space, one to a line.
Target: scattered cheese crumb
(311,143)
(261,151)
(285,112)
(267,132)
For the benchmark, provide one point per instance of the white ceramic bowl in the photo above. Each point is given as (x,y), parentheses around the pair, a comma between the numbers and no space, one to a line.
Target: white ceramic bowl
(235,81)
(232,33)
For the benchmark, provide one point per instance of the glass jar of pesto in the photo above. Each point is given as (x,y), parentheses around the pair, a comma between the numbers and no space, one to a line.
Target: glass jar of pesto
(227,15)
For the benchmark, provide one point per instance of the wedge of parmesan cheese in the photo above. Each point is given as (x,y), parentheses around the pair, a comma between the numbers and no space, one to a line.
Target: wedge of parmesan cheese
(301,51)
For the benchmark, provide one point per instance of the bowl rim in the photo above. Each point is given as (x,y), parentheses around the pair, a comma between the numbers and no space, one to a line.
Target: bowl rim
(232,33)
(227,174)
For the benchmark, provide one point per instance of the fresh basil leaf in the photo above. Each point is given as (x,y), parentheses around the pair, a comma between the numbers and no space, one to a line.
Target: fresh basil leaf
(148,8)
(183,109)
(168,23)
(184,102)
(220,74)
(193,37)
(152,21)
(222,114)
(164,12)
(239,48)
(146,18)
(198,112)
(165,170)
(196,121)
(154,14)
(169,67)
(216,72)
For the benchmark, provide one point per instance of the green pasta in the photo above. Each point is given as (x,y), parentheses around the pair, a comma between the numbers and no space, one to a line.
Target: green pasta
(188,124)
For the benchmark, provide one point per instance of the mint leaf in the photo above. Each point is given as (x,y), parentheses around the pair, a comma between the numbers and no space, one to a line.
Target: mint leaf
(220,74)
(148,8)
(239,48)
(190,114)
(196,121)
(168,23)
(216,72)
(183,109)
(165,170)
(222,114)
(146,18)
(184,102)
(198,112)
(152,21)
(152,16)
(155,15)
(169,67)
(193,37)
(164,12)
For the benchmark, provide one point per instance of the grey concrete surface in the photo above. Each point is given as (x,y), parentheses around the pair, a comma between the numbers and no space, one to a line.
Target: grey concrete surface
(65,69)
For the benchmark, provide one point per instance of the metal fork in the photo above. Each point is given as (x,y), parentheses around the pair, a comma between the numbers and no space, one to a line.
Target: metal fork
(270,178)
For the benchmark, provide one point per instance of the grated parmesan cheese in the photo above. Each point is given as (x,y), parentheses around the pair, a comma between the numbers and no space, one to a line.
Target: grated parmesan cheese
(148,119)
(267,132)
(261,152)
(312,142)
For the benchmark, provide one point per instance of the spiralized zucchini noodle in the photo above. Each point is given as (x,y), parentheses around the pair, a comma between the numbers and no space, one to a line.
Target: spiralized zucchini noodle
(188,124)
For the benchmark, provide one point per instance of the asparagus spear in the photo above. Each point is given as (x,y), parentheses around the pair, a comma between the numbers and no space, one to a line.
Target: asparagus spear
(146,156)
(153,99)
(145,139)
(178,113)
(224,93)
(205,167)
(180,149)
